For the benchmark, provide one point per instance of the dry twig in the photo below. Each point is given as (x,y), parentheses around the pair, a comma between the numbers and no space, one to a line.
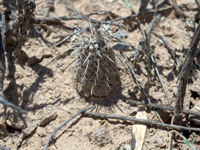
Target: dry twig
(183,76)
(198,4)
(183,138)
(86,17)
(2,50)
(152,59)
(141,44)
(167,45)
(179,11)
(6,103)
(162,107)
(21,23)
(54,132)
(3,148)
(29,130)
(144,121)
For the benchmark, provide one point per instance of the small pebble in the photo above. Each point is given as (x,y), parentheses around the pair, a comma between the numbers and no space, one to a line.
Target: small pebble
(162,18)
(161,41)
(172,66)
(41,132)
(168,27)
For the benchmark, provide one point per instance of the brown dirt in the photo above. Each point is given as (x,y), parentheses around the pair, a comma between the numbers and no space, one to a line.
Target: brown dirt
(41,90)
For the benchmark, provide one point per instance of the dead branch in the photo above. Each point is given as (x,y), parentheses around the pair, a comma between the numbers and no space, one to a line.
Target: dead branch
(155,66)
(142,42)
(49,20)
(19,29)
(183,76)
(183,138)
(179,11)
(66,52)
(198,4)
(152,12)
(137,81)
(3,148)
(29,130)
(143,121)
(167,45)
(161,107)
(152,59)
(6,103)
(54,132)
(2,50)
(143,5)
(86,17)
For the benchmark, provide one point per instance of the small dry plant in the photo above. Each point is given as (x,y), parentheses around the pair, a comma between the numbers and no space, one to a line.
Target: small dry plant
(94,49)
(96,69)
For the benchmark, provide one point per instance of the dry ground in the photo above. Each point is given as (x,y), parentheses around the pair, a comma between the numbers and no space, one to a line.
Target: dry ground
(44,90)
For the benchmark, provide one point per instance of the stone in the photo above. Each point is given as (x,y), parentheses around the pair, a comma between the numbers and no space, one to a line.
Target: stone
(125,147)
(13,120)
(50,86)
(41,132)
(101,137)
(38,57)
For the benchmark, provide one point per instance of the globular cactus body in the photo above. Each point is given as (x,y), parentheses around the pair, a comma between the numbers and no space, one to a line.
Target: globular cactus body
(97,72)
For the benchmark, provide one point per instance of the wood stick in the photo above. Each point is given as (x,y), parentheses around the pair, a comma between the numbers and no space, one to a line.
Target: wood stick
(141,43)
(152,59)
(2,50)
(86,17)
(54,132)
(157,72)
(167,45)
(3,148)
(161,107)
(143,121)
(183,138)
(30,129)
(183,76)
(6,103)
(179,11)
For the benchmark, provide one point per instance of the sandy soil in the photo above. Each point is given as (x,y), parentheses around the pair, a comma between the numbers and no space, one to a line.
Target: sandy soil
(48,90)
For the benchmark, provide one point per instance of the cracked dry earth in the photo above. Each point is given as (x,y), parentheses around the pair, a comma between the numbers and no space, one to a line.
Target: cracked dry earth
(43,91)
